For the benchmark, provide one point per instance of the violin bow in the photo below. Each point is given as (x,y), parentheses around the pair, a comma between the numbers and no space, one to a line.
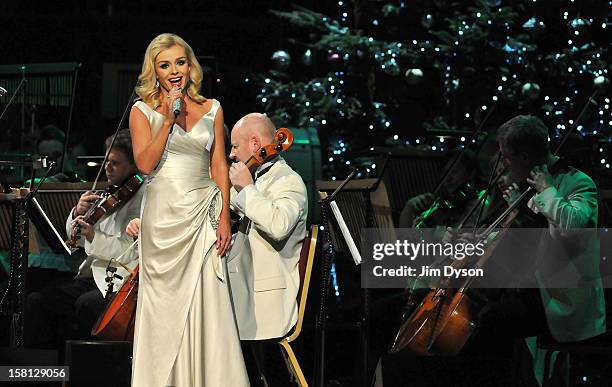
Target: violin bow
(460,154)
(69,125)
(493,178)
(127,107)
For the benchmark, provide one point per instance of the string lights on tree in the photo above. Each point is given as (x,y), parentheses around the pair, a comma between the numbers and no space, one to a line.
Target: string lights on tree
(392,74)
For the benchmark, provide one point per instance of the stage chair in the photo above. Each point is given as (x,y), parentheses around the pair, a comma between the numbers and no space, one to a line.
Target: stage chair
(305,267)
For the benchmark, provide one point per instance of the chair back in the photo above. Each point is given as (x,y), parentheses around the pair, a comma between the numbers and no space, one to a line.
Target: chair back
(305,263)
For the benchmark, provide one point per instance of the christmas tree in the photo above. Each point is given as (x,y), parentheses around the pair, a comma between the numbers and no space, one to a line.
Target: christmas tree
(421,73)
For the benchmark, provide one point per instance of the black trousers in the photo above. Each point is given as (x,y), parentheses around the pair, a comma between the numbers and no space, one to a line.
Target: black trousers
(265,356)
(504,323)
(517,313)
(61,310)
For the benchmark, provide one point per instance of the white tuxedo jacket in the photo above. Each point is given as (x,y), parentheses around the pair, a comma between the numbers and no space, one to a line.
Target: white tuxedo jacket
(263,262)
(575,312)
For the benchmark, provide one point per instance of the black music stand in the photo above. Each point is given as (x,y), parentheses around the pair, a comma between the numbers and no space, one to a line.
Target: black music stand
(328,259)
(19,262)
(363,188)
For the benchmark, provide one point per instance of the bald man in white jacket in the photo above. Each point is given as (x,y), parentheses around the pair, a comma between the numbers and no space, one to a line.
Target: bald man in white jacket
(263,262)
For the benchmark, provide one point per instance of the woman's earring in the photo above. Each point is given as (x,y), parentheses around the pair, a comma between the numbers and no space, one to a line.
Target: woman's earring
(157,83)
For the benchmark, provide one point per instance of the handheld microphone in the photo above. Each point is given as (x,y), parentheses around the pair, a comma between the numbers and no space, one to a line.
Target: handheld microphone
(176,106)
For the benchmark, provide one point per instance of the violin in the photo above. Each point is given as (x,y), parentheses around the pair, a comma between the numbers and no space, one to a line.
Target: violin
(446,207)
(109,201)
(283,140)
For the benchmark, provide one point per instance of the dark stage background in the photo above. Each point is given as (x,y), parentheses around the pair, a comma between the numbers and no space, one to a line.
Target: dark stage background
(241,35)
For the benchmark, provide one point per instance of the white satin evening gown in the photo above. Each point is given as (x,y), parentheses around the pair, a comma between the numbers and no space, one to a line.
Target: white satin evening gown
(185,330)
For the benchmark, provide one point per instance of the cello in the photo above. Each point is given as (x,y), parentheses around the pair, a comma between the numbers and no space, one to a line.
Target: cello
(447,317)
(117,320)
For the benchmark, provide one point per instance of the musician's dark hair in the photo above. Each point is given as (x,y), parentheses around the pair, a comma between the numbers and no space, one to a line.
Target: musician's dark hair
(468,158)
(526,134)
(49,133)
(123,142)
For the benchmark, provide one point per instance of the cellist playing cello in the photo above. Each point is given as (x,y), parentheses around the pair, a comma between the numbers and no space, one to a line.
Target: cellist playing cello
(69,309)
(567,198)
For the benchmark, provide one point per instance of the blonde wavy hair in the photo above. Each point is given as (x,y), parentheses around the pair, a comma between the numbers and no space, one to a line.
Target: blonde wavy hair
(147,89)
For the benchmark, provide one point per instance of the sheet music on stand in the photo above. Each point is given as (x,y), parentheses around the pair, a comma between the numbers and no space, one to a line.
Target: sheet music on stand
(42,222)
(350,206)
(345,233)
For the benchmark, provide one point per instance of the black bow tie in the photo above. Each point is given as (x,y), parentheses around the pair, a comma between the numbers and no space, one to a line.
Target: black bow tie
(259,174)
